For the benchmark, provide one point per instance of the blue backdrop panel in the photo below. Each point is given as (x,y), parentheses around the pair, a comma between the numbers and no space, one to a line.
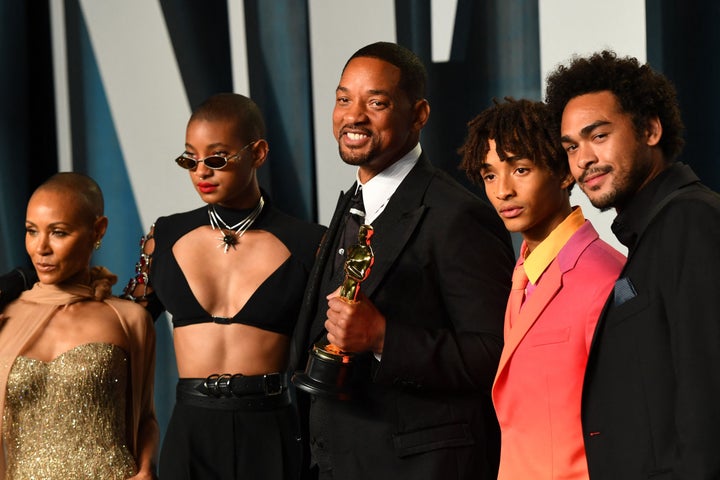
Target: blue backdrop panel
(97,152)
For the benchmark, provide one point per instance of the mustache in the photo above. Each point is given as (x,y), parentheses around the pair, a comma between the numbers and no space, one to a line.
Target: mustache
(593,171)
(355,129)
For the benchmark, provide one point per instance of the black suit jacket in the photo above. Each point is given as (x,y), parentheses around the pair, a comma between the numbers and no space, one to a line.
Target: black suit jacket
(441,278)
(651,397)
(14,282)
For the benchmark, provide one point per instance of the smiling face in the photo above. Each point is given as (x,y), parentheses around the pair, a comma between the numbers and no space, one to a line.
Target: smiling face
(610,160)
(528,198)
(374,121)
(235,185)
(60,235)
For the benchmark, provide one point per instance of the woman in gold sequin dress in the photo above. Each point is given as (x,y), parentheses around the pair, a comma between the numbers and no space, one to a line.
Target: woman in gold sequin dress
(76,365)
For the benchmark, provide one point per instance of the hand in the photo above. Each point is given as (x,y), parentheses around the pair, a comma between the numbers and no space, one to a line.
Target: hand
(143,475)
(355,326)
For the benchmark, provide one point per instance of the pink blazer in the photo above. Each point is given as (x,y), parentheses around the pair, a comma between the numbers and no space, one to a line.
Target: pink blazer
(538,385)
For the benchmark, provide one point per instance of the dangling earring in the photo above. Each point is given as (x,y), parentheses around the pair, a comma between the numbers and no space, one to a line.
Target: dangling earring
(97,244)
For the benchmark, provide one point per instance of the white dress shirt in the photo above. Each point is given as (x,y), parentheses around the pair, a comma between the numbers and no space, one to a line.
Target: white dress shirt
(378,190)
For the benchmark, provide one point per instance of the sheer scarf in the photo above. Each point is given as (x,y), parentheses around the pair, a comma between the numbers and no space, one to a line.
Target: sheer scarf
(26,317)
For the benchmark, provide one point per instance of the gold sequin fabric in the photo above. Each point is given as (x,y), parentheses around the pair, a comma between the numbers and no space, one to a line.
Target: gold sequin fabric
(65,419)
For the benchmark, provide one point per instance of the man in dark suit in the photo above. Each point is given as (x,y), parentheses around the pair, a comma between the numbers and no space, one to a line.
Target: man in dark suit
(651,399)
(427,326)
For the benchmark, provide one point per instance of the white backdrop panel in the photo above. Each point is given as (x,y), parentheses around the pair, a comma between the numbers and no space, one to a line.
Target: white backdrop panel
(337,29)
(147,100)
(570,27)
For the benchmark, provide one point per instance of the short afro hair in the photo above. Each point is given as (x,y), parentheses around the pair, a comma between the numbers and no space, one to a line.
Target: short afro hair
(641,92)
(413,75)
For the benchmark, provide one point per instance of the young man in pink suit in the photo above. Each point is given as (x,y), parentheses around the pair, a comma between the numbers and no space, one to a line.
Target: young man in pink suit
(561,281)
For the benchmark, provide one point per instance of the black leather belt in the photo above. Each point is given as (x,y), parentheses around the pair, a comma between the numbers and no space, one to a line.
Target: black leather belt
(239,385)
(235,391)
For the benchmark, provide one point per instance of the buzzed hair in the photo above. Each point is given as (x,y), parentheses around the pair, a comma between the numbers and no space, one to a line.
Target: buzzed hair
(85,188)
(235,108)
(413,75)
(522,127)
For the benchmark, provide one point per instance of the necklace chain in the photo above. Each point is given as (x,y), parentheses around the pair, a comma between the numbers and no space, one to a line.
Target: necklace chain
(231,234)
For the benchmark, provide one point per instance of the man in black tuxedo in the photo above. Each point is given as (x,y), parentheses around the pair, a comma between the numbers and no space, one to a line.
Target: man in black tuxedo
(427,327)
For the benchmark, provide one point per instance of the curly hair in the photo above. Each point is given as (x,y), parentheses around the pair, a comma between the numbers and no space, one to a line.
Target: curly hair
(521,127)
(641,92)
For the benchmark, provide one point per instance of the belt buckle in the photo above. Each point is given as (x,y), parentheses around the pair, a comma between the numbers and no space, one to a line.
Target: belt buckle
(272,384)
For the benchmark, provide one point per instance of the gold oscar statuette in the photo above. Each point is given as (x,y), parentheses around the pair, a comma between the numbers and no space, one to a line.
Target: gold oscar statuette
(329,367)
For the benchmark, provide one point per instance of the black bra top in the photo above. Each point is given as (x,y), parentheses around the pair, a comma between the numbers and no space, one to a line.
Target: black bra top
(274,306)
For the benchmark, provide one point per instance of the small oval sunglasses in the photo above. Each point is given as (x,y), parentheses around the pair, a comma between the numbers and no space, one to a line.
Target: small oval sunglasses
(216,162)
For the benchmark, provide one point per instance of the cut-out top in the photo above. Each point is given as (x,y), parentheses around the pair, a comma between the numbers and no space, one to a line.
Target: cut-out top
(273,306)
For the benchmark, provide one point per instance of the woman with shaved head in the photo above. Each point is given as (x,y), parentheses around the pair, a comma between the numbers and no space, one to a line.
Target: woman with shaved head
(76,364)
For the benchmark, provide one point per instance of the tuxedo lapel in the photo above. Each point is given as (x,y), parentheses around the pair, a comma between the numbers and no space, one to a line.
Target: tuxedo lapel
(388,241)
(305,330)
(326,250)
(394,227)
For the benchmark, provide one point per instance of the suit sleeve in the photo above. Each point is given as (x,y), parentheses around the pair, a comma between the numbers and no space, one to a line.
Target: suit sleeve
(449,335)
(693,317)
(14,282)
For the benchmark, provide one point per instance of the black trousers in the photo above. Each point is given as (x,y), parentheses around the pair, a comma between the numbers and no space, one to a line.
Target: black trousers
(208,439)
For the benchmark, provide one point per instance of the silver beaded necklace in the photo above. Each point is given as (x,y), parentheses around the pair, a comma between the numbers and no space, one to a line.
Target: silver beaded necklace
(231,234)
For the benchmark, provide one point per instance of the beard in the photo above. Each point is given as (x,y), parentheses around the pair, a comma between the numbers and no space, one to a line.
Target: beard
(624,185)
(357,157)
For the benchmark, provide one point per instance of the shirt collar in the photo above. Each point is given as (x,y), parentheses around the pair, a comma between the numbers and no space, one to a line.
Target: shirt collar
(544,254)
(633,219)
(378,190)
